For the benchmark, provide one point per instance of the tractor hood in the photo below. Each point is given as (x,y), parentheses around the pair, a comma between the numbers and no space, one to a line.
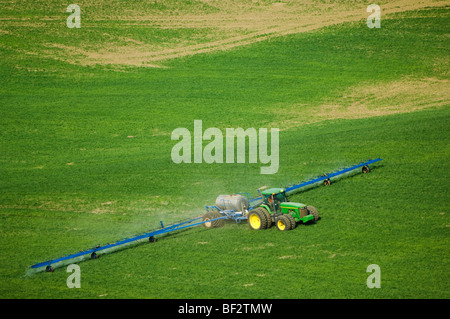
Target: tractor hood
(292,205)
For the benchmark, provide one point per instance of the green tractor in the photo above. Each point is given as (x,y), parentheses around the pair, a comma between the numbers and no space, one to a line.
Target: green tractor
(276,209)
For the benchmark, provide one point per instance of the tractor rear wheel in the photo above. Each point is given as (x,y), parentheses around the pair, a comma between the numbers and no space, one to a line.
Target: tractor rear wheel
(215,223)
(267,216)
(257,219)
(284,223)
(312,210)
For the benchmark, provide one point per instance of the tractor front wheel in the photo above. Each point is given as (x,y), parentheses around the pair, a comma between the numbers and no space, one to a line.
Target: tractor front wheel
(312,210)
(292,220)
(284,223)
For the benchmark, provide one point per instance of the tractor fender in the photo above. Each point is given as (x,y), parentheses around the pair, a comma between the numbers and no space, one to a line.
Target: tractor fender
(266,207)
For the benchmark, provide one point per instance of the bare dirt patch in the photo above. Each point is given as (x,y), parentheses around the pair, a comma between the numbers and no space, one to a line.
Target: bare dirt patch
(369,100)
(389,98)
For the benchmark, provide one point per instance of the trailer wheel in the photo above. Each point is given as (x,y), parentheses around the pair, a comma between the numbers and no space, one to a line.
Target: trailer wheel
(49,268)
(257,219)
(365,169)
(327,182)
(312,210)
(215,223)
(284,223)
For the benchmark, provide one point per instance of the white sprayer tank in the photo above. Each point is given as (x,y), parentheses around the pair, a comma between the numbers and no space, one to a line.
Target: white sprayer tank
(234,202)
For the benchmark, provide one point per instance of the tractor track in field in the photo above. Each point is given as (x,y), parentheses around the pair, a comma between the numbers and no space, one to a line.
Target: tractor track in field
(274,22)
(292,26)
(232,26)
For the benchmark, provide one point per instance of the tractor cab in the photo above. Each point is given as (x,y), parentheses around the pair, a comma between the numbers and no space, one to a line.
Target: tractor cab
(273,197)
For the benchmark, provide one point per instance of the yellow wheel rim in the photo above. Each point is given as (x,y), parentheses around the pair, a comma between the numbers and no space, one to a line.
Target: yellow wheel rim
(281,225)
(255,221)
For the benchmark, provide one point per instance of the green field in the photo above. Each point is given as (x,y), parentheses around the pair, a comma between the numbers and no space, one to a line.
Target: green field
(86,156)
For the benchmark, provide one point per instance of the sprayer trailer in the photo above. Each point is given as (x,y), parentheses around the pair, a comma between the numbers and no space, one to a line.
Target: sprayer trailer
(233,207)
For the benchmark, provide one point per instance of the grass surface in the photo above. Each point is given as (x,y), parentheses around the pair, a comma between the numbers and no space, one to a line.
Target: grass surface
(85,160)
